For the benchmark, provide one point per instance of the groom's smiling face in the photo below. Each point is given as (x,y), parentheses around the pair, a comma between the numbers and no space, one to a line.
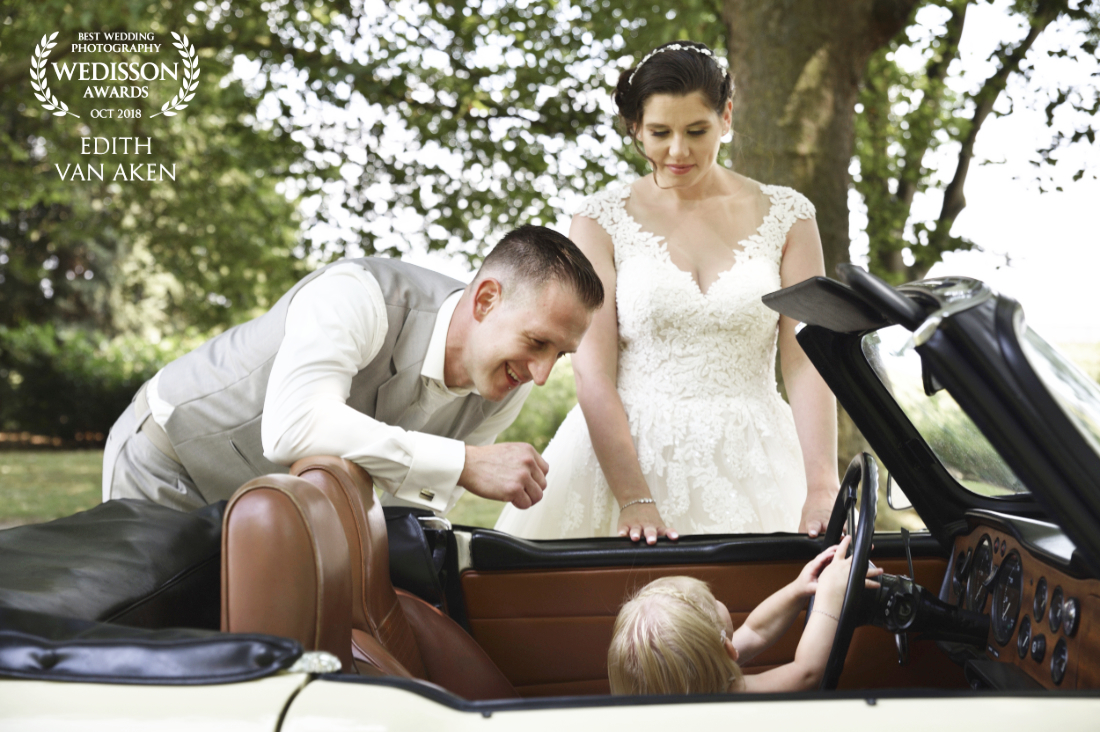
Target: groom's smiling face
(519,336)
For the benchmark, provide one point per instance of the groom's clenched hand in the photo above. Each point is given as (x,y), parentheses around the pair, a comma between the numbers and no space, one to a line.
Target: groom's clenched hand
(508,471)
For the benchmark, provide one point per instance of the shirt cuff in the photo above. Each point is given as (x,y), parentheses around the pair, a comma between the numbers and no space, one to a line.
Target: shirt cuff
(432,480)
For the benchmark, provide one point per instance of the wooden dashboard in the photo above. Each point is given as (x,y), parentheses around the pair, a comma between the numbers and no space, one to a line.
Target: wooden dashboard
(1044,615)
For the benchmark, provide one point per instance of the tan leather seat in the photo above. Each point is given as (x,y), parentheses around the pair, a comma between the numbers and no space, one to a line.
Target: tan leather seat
(392,630)
(285,566)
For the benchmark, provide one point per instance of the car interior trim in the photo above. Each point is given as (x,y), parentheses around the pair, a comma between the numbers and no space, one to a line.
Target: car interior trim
(979,588)
(465,559)
(1040,537)
(548,629)
(495,551)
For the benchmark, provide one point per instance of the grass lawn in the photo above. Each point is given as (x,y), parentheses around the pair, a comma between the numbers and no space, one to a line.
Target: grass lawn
(40,485)
(474,510)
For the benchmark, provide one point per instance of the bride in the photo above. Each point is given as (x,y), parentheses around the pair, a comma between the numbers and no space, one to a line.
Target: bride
(679,427)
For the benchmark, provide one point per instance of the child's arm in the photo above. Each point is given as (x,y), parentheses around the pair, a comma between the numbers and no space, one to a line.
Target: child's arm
(771,618)
(805,671)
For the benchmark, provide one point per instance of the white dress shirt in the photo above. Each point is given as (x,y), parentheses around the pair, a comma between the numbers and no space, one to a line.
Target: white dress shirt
(335,326)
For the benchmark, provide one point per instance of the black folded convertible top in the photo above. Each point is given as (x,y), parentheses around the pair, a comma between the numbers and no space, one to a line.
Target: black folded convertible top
(124,561)
(74,591)
(48,648)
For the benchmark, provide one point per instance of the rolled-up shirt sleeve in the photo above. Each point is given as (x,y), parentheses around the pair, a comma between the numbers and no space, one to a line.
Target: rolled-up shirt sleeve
(335,326)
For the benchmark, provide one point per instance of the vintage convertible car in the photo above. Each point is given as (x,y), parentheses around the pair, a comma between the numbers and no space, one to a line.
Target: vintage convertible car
(301,605)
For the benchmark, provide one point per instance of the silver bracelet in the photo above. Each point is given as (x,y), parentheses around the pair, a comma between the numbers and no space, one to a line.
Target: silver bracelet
(828,615)
(628,504)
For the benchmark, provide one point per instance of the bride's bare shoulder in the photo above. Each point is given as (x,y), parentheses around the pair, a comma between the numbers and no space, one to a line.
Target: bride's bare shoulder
(588,234)
(745,185)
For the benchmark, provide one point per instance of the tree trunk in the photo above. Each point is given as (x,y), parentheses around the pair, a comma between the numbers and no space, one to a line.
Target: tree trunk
(797,66)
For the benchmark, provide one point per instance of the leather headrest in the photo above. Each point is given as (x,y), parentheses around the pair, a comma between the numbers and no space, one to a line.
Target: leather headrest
(285,566)
(351,490)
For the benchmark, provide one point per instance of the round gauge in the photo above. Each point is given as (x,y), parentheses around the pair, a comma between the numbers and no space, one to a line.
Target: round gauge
(997,545)
(1071,615)
(958,579)
(1023,641)
(1040,605)
(981,568)
(1058,661)
(1006,598)
(1056,609)
(1038,647)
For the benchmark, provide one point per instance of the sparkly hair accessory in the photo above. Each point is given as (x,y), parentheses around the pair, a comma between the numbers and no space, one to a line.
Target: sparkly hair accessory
(671,47)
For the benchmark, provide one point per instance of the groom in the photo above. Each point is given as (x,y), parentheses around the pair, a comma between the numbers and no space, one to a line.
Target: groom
(402,370)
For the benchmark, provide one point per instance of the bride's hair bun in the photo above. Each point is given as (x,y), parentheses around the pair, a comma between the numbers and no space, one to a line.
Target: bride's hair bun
(680,68)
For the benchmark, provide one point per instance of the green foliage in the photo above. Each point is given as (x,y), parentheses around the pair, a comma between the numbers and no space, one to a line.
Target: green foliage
(402,124)
(482,113)
(474,510)
(216,243)
(350,115)
(1085,355)
(60,382)
(905,116)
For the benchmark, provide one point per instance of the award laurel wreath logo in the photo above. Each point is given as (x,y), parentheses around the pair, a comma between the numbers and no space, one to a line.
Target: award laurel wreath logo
(41,83)
(190,78)
(51,103)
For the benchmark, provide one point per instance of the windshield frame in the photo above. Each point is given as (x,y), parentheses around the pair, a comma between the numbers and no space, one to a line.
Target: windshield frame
(978,357)
(1072,496)
(939,499)
(974,353)
(971,442)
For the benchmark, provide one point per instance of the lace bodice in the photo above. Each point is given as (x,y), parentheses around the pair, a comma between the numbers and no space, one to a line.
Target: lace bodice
(716,443)
(675,339)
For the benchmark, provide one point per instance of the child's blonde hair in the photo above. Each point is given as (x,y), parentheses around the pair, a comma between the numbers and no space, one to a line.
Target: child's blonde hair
(668,639)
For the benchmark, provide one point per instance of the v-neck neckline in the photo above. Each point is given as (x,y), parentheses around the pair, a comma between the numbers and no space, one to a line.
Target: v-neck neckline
(662,243)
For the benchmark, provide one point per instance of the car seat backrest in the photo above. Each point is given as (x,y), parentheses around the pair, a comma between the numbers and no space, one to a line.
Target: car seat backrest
(375,609)
(285,567)
(420,640)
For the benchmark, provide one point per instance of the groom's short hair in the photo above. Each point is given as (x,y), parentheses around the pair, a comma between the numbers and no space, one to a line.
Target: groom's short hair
(535,255)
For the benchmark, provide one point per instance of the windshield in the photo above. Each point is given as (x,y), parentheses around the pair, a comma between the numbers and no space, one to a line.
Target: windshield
(945,427)
(1076,393)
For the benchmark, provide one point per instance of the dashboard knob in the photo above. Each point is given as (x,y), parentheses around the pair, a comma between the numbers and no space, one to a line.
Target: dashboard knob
(1038,647)
(1023,641)
(1071,615)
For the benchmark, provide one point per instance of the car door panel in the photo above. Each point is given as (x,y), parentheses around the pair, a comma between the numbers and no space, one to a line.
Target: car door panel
(548,629)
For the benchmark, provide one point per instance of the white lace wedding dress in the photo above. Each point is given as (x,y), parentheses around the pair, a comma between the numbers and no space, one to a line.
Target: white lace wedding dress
(715,440)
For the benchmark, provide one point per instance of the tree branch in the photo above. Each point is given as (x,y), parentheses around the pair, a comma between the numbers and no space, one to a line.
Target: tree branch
(954,200)
(912,169)
(888,18)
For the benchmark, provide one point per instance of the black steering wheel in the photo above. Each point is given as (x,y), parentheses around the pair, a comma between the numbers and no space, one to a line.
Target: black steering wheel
(863,470)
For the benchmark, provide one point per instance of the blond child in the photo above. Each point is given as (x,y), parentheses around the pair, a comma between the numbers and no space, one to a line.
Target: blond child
(674,637)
